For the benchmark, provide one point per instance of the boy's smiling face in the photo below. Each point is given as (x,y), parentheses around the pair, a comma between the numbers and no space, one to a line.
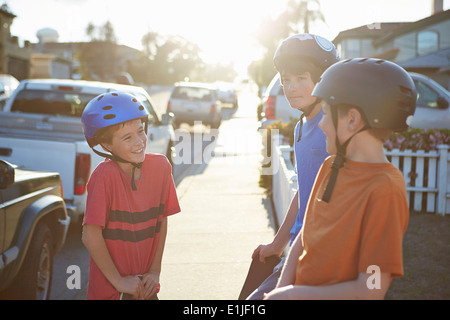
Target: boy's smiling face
(297,89)
(129,141)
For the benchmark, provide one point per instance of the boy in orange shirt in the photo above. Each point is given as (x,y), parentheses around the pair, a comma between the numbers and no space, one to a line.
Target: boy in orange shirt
(350,246)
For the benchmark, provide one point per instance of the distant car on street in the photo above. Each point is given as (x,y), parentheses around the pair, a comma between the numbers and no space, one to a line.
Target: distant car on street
(432,108)
(191,102)
(227,95)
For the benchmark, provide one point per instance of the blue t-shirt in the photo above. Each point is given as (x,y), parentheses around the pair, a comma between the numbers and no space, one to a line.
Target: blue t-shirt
(310,153)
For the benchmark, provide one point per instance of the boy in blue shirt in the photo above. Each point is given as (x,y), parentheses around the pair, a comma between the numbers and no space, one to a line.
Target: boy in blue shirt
(300,59)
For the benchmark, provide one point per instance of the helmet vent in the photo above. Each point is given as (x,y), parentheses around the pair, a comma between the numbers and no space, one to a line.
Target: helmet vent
(115,94)
(109,116)
(141,108)
(379,62)
(100,98)
(107,108)
(134,100)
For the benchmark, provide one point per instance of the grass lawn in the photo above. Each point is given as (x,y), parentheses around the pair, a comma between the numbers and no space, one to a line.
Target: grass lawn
(426,257)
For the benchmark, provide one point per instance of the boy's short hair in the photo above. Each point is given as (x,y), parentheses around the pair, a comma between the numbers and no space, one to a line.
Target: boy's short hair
(105,135)
(298,66)
(378,133)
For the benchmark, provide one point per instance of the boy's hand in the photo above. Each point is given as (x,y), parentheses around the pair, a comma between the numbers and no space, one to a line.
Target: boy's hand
(150,281)
(265,250)
(130,284)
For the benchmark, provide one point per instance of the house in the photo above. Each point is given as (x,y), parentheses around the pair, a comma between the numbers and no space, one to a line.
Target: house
(14,59)
(422,46)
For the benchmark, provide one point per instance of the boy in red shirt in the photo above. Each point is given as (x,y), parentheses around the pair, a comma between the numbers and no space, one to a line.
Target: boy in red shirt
(125,224)
(350,246)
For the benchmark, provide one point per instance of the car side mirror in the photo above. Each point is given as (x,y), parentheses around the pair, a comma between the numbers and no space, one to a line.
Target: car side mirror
(167,119)
(442,103)
(6,174)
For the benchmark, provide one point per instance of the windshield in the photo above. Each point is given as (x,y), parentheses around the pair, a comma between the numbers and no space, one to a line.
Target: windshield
(192,93)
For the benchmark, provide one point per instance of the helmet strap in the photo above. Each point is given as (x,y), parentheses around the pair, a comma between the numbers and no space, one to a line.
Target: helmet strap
(117,158)
(306,113)
(340,158)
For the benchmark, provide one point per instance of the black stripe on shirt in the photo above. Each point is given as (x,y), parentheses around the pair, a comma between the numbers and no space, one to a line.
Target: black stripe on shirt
(132,236)
(135,217)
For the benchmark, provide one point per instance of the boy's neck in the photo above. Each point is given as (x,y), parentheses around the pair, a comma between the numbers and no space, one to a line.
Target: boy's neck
(365,148)
(128,169)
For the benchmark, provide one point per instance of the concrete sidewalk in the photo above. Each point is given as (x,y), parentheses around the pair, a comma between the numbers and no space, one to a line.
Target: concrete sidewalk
(224,216)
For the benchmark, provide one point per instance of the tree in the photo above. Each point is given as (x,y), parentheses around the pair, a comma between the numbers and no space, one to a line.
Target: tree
(98,58)
(271,31)
(172,58)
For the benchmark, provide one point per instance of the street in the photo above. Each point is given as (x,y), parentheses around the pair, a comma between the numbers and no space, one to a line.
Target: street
(236,142)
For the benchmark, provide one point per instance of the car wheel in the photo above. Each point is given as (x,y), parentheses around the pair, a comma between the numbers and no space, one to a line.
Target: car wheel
(35,277)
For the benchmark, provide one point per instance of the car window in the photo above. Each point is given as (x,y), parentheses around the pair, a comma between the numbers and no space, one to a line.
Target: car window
(58,103)
(426,97)
(191,93)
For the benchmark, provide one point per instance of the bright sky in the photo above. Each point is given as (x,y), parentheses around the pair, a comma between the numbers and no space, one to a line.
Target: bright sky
(222,28)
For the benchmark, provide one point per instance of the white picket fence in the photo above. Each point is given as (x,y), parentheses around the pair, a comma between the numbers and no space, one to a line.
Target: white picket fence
(427,177)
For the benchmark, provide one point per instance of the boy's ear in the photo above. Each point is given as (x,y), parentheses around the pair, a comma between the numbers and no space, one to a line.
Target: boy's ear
(355,120)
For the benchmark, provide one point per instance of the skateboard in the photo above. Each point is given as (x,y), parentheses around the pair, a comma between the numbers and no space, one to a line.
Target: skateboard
(257,273)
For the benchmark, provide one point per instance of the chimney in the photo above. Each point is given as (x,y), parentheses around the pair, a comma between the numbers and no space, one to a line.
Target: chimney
(437,6)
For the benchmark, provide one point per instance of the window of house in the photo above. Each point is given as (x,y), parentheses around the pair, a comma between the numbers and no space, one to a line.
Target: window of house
(352,48)
(427,41)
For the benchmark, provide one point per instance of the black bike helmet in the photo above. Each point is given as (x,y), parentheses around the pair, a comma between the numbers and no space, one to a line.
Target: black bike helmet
(383,91)
(304,45)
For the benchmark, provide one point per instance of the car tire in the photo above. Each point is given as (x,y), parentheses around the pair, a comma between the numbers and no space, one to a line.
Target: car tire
(34,280)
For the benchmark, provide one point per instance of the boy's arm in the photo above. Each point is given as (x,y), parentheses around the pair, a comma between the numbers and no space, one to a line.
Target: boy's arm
(352,290)
(95,243)
(283,236)
(151,279)
(290,267)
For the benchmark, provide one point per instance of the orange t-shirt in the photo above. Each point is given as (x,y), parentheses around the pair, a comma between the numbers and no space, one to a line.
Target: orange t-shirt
(362,225)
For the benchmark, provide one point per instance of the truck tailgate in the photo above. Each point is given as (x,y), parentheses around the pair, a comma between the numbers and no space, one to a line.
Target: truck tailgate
(42,155)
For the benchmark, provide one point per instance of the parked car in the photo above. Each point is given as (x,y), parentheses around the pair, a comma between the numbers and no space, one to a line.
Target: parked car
(33,227)
(191,102)
(7,86)
(432,109)
(227,95)
(41,129)
(275,106)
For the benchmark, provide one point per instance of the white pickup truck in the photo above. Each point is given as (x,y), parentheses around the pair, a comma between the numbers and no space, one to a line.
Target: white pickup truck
(41,129)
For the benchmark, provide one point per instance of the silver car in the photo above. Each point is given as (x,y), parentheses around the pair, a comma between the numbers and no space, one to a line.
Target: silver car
(432,109)
(191,102)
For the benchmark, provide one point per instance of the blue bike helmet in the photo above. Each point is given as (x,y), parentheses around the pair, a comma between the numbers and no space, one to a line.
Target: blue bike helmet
(109,109)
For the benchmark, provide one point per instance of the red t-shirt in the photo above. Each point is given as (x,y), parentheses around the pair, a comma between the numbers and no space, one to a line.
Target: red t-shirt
(131,220)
